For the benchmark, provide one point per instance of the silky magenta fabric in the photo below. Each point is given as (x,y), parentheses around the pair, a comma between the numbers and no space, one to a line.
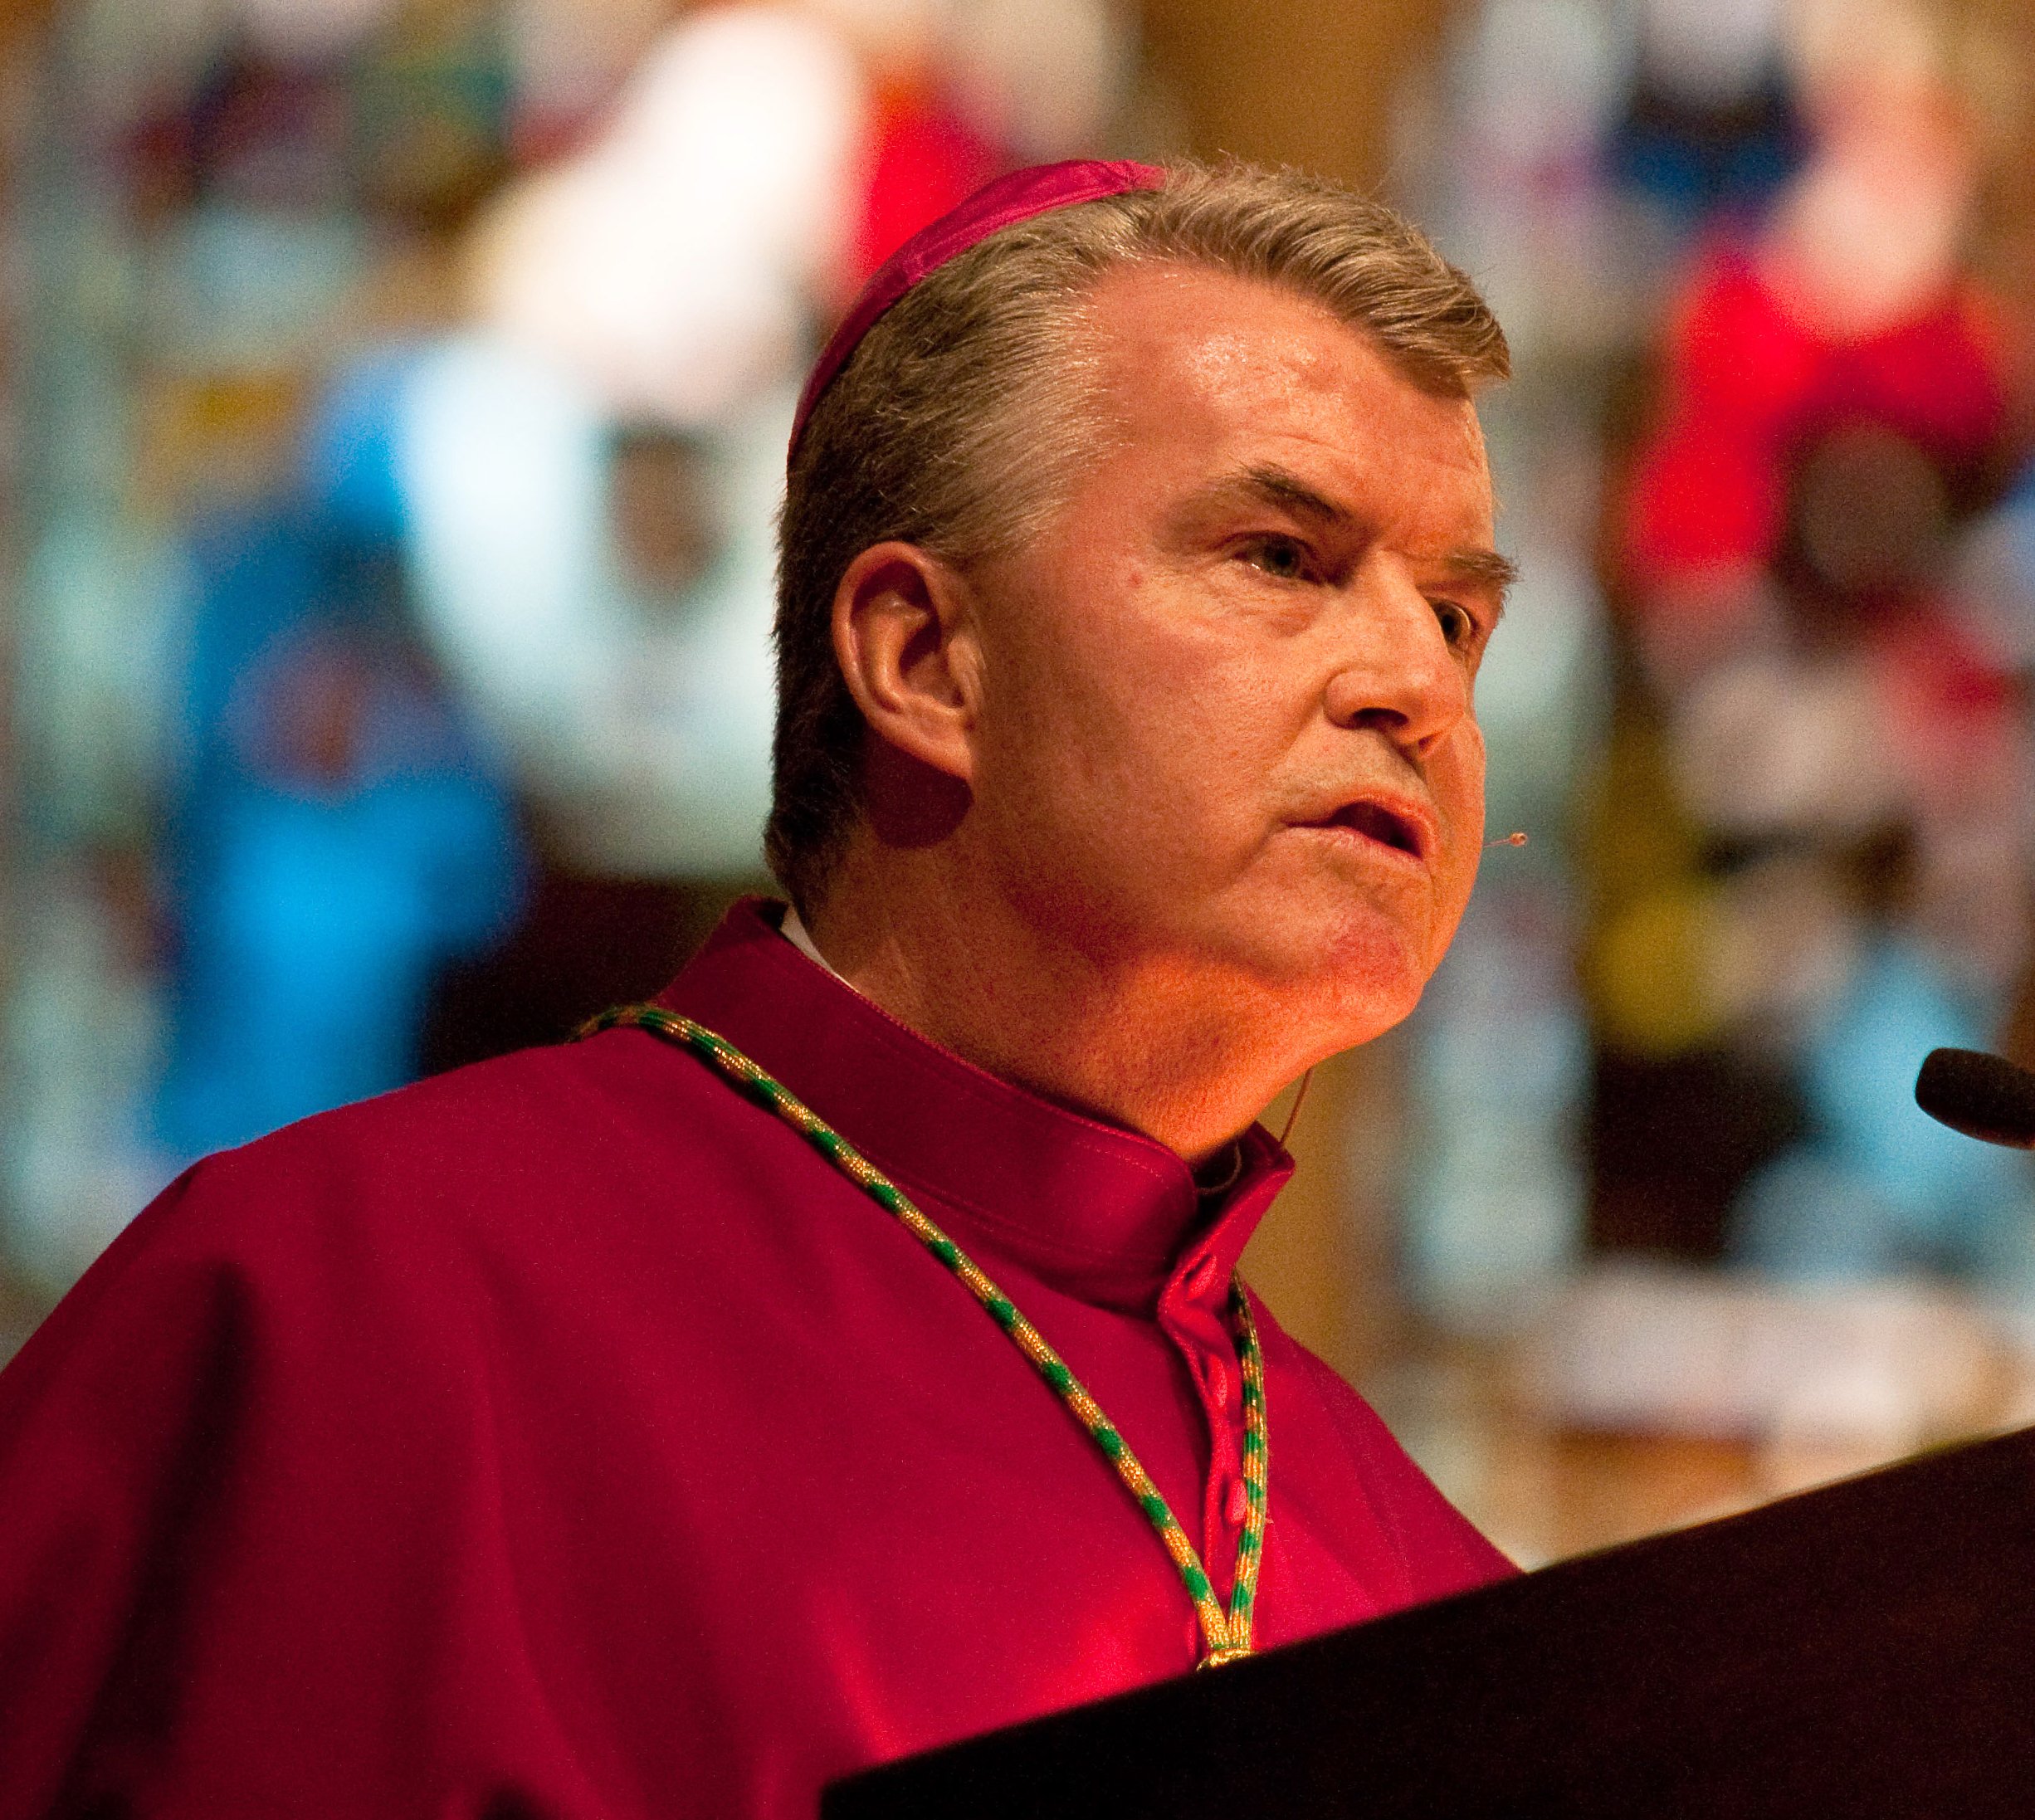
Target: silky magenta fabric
(1015,197)
(564,1436)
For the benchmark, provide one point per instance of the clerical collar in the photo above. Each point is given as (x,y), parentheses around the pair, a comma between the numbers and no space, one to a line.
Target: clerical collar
(793,929)
(1101,1212)
(1227,1168)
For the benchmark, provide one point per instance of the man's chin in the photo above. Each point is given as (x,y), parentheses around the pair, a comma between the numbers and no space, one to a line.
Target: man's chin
(1367,1006)
(1357,975)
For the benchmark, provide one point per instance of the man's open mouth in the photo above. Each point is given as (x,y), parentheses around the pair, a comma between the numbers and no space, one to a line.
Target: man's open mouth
(1384,825)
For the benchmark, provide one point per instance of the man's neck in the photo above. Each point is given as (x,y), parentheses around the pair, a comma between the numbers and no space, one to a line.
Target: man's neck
(1144,1047)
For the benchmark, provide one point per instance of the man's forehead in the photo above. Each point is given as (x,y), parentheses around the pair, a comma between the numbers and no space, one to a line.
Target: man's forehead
(1224,377)
(1211,316)
(1196,329)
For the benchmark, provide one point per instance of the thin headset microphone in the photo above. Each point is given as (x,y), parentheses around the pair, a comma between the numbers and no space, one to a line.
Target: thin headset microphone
(1517,837)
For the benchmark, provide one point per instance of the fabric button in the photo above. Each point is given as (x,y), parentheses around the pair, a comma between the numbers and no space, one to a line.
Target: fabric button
(1239,1505)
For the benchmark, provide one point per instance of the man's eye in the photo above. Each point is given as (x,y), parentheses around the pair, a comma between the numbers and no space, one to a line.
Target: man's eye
(1457,625)
(1279,557)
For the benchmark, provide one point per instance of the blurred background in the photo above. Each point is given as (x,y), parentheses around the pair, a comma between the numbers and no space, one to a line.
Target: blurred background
(393,401)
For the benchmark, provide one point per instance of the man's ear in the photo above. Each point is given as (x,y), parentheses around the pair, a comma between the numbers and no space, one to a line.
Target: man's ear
(905,638)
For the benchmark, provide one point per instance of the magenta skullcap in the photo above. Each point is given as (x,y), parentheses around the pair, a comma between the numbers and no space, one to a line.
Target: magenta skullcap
(1015,197)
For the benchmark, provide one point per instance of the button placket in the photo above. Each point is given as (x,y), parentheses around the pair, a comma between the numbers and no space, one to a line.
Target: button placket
(1219,1380)
(1193,1312)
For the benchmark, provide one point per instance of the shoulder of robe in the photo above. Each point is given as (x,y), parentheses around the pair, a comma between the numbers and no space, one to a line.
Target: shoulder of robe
(490,1172)
(570,1117)
(279,1397)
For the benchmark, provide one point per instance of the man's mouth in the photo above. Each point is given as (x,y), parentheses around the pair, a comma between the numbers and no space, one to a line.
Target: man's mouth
(1403,833)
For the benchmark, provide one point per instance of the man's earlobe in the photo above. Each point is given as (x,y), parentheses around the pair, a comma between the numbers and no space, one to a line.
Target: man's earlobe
(907,803)
(904,638)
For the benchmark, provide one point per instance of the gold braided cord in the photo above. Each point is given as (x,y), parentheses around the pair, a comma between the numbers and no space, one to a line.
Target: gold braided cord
(1226,1636)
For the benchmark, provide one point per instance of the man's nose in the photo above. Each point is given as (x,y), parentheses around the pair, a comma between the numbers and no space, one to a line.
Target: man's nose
(1398,673)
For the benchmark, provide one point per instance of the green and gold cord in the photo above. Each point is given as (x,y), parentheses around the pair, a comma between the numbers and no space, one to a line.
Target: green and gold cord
(1225,1636)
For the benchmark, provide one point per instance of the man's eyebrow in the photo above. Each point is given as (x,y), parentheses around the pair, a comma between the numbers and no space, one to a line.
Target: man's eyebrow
(1482,568)
(1278,486)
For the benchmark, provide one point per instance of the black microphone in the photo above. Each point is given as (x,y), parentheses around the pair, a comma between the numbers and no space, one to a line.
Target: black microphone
(1984,1096)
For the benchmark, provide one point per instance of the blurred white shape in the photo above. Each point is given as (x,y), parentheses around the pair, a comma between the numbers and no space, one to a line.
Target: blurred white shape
(1542,80)
(1043,79)
(1650,1348)
(643,728)
(1784,939)
(1872,229)
(671,266)
(1771,743)
(1869,243)
(1848,1418)
(1710,52)
(499,461)
(1534,88)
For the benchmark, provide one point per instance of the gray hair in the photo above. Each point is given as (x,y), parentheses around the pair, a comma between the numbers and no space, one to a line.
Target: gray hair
(961,419)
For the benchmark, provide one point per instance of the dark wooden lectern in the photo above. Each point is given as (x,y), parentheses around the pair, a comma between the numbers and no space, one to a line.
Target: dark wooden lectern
(1867,1649)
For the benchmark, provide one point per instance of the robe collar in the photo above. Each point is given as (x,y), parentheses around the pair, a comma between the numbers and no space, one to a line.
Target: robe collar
(1101,1212)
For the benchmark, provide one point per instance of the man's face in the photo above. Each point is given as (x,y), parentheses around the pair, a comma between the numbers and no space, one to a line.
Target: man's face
(1225,732)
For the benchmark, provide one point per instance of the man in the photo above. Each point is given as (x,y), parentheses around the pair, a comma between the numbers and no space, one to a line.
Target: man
(590,1432)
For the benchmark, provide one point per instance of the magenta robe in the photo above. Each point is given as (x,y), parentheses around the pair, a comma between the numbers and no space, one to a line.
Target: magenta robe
(563,1436)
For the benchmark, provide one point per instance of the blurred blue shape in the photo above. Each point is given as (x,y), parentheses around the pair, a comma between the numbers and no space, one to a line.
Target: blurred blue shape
(1494,1195)
(350,451)
(1880,1187)
(308,952)
(337,833)
(1697,162)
